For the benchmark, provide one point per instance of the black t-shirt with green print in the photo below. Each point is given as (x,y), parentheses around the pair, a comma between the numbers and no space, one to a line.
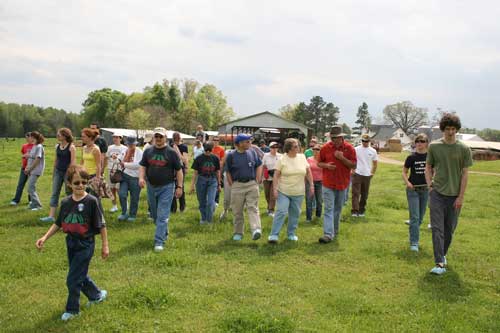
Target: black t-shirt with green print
(81,218)
(161,165)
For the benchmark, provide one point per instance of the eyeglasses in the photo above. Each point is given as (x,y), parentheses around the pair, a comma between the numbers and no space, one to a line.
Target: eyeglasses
(159,136)
(317,149)
(365,140)
(420,141)
(78,183)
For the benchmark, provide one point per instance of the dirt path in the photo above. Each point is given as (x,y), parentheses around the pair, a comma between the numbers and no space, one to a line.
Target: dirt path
(387,160)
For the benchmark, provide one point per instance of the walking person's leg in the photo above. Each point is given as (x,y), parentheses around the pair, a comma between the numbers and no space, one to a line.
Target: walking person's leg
(35,199)
(365,189)
(309,203)
(450,223)
(328,199)
(293,216)
(123,195)
(414,211)
(356,193)
(318,194)
(211,192)
(437,207)
(252,205)
(135,194)
(21,182)
(279,217)
(165,194)
(339,197)
(201,194)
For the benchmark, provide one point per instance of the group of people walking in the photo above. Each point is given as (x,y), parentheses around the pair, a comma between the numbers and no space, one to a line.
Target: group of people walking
(322,175)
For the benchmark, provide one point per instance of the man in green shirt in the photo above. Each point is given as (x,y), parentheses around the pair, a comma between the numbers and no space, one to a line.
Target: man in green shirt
(446,174)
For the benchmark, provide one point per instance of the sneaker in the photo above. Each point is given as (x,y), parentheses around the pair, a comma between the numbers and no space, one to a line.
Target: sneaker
(256,234)
(13,203)
(407,222)
(131,219)
(216,205)
(113,209)
(325,239)
(68,315)
(203,222)
(293,238)
(308,221)
(438,270)
(237,237)
(122,217)
(354,215)
(34,209)
(272,239)
(429,226)
(271,214)
(102,298)
(47,219)
(361,215)
(223,215)
(414,248)
(158,248)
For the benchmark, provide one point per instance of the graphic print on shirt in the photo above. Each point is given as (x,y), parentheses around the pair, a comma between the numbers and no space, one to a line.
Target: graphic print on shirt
(74,223)
(207,168)
(158,160)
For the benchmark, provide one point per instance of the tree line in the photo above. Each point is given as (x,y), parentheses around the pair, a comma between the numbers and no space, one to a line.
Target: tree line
(179,104)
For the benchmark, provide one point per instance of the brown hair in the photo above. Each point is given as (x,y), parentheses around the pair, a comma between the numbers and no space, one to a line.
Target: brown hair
(76,169)
(289,144)
(37,136)
(450,119)
(91,133)
(422,136)
(66,132)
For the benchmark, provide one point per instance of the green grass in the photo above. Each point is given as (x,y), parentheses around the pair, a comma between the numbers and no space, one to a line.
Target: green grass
(366,281)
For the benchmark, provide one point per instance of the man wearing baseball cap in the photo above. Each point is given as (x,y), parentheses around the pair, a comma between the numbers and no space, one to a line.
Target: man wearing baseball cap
(244,172)
(337,158)
(162,167)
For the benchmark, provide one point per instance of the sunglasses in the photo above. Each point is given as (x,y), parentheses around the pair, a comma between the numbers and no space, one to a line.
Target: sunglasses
(365,140)
(78,183)
(316,149)
(420,141)
(158,136)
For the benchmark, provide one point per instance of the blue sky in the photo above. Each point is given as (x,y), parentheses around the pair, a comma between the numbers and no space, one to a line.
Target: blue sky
(261,54)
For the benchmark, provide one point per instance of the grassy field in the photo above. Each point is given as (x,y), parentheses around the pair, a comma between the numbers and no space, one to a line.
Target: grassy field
(366,281)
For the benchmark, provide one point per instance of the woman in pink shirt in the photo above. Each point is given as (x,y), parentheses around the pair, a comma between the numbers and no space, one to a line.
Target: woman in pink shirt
(317,198)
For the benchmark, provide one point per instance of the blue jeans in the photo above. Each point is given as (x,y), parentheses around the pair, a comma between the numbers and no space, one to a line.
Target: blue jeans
(417,204)
(129,184)
(334,201)
(160,202)
(80,253)
(287,204)
(58,179)
(315,198)
(23,178)
(206,188)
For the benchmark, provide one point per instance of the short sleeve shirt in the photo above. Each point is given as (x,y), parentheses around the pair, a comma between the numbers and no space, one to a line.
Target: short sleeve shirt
(161,165)
(365,157)
(37,152)
(207,166)
(102,144)
(219,152)
(82,218)
(416,164)
(316,171)
(115,154)
(243,165)
(26,148)
(448,162)
(293,171)
(339,178)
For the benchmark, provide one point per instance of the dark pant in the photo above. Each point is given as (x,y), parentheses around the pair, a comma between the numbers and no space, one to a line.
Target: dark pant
(360,188)
(182,199)
(80,253)
(316,197)
(444,219)
(268,191)
(129,184)
(23,178)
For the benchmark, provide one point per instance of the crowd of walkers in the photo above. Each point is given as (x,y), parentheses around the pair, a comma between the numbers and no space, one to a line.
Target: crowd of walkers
(435,173)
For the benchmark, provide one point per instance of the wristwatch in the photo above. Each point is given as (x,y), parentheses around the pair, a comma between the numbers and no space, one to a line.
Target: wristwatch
(177,186)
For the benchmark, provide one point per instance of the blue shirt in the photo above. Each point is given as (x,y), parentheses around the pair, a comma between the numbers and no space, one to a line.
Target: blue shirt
(242,166)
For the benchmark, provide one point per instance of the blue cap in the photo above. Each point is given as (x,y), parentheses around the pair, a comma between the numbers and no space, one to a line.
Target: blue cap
(242,137)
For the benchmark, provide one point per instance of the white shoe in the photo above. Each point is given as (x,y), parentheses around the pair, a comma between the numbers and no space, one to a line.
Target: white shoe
(407,222)
(13,203)
(113,209)
(158,248)
(271,214)
(256,234)
(223,215)
(67,316)
(429,226)
(36,209)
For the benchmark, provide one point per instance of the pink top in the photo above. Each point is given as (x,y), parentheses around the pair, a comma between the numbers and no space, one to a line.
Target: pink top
(317,172)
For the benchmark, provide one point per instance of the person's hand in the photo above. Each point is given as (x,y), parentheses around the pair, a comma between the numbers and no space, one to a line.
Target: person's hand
(219,188)
(331,166)
(191,191)
(458,203)
(275,194)
(410,186)
(142,183)
(105,251)
(39,243)
(339,154)
(311,191)
(178,192)
(26,172)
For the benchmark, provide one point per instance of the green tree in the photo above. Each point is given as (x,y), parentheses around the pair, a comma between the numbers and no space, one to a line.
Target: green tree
(406,116)
(364,120)
(137,119)
(212,107)
(101,105)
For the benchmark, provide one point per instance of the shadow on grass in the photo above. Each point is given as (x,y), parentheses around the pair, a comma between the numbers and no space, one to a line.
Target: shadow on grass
(228,245)
(51,323)
(413,257)
(448,287)
(140,246)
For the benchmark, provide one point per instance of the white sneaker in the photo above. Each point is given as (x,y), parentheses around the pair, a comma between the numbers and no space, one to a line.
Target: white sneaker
(407,222)
(67,316)
(216,204)
(113,209)
(429,226)
(13,203)
(36,209)
(223,215)
(293,238)
(271,214)
(158,248)
(361,215)
(438,270)
(445,262)
(256,234)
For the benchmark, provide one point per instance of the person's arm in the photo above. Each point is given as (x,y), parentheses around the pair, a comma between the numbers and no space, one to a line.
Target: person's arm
(105,245)
(193,181)
(97,158)
(52,230)
(309,178)
(345,161)
(142,176)
(463,185)
(134,165)
(276,182)
(72,154)
(258,174)
(374,167)
(428,176)
(327,165)
(178,187)
(405,178)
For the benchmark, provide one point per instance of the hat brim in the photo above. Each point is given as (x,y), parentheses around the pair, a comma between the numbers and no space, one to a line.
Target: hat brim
(337,135)
(161,133)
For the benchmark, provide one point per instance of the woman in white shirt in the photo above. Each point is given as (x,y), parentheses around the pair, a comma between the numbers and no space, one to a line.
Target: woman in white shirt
(289,187)
(130,180)
(269,162)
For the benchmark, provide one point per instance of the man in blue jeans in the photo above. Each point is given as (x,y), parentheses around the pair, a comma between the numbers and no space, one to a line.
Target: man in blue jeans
(337,158)
(162,168)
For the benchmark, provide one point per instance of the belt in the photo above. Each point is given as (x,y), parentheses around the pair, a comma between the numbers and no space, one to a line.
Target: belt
(244,180)
(420,188)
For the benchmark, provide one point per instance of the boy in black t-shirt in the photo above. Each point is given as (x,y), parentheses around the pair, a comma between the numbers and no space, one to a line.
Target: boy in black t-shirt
(81,218)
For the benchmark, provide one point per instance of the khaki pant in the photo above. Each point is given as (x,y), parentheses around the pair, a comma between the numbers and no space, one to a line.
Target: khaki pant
(245,195)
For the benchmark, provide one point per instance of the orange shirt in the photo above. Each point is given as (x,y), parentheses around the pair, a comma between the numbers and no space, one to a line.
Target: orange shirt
(219,152)
(339,178)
